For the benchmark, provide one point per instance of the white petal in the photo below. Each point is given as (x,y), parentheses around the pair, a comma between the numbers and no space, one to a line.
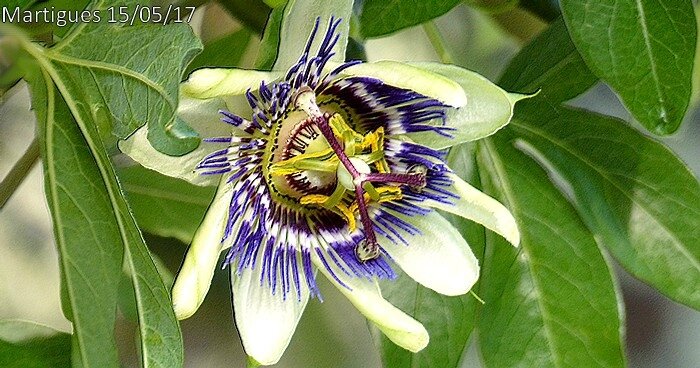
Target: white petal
(488,108)
(438,258)
(410,77)
(203,117)
(265,322)
(365,295)
(474,205)
(219,82)
(194,278)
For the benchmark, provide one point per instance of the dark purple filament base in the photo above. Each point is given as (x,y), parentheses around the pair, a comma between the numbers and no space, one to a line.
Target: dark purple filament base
(413,180)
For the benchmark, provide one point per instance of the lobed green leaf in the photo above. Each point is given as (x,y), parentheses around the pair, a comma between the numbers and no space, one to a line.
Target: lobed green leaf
(94,228)
(128,84)
(74,204)
(85,230)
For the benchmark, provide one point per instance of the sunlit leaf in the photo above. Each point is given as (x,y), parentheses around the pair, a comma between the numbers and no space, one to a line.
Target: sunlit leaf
(631,191)
(551,302)
(643,49)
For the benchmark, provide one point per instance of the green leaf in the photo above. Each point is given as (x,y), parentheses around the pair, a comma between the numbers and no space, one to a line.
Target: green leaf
(22,4)
(127,297)
(127,83)
(165,206)
(551,65)
(551,302)
(643,49)
(267,53)
(93,222)
(296,21)
(275,3)
(547,10)
(86,234)
(381,17)
(25,344)
(223,52)
(632,192)
(251,13)
(53,27)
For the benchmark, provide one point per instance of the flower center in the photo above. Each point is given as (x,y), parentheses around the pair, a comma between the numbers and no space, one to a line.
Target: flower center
(318,161)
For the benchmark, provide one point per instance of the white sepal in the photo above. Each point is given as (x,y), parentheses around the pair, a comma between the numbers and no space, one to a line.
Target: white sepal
(265,321)
(474,205)
(438,257)
(365,295)
(194,278)
(219,82)
(488,108)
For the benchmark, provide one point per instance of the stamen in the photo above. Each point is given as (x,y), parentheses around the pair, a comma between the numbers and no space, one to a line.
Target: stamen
(369,248)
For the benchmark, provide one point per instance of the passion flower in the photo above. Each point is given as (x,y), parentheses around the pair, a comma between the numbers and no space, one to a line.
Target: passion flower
(331,168)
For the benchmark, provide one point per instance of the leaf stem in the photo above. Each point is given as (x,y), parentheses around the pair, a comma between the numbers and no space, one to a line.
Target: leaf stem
(18,172)
(433,33)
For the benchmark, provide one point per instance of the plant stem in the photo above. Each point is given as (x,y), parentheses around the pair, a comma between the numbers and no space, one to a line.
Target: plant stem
(438,42)
(18,172)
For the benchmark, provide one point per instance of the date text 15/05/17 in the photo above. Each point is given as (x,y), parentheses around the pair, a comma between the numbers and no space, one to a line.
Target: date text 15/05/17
(114,14)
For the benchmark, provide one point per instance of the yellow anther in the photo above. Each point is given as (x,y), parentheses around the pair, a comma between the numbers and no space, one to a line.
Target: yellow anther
(349,216)
(386,193)
(314,199)
(340,208)
(389,193)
